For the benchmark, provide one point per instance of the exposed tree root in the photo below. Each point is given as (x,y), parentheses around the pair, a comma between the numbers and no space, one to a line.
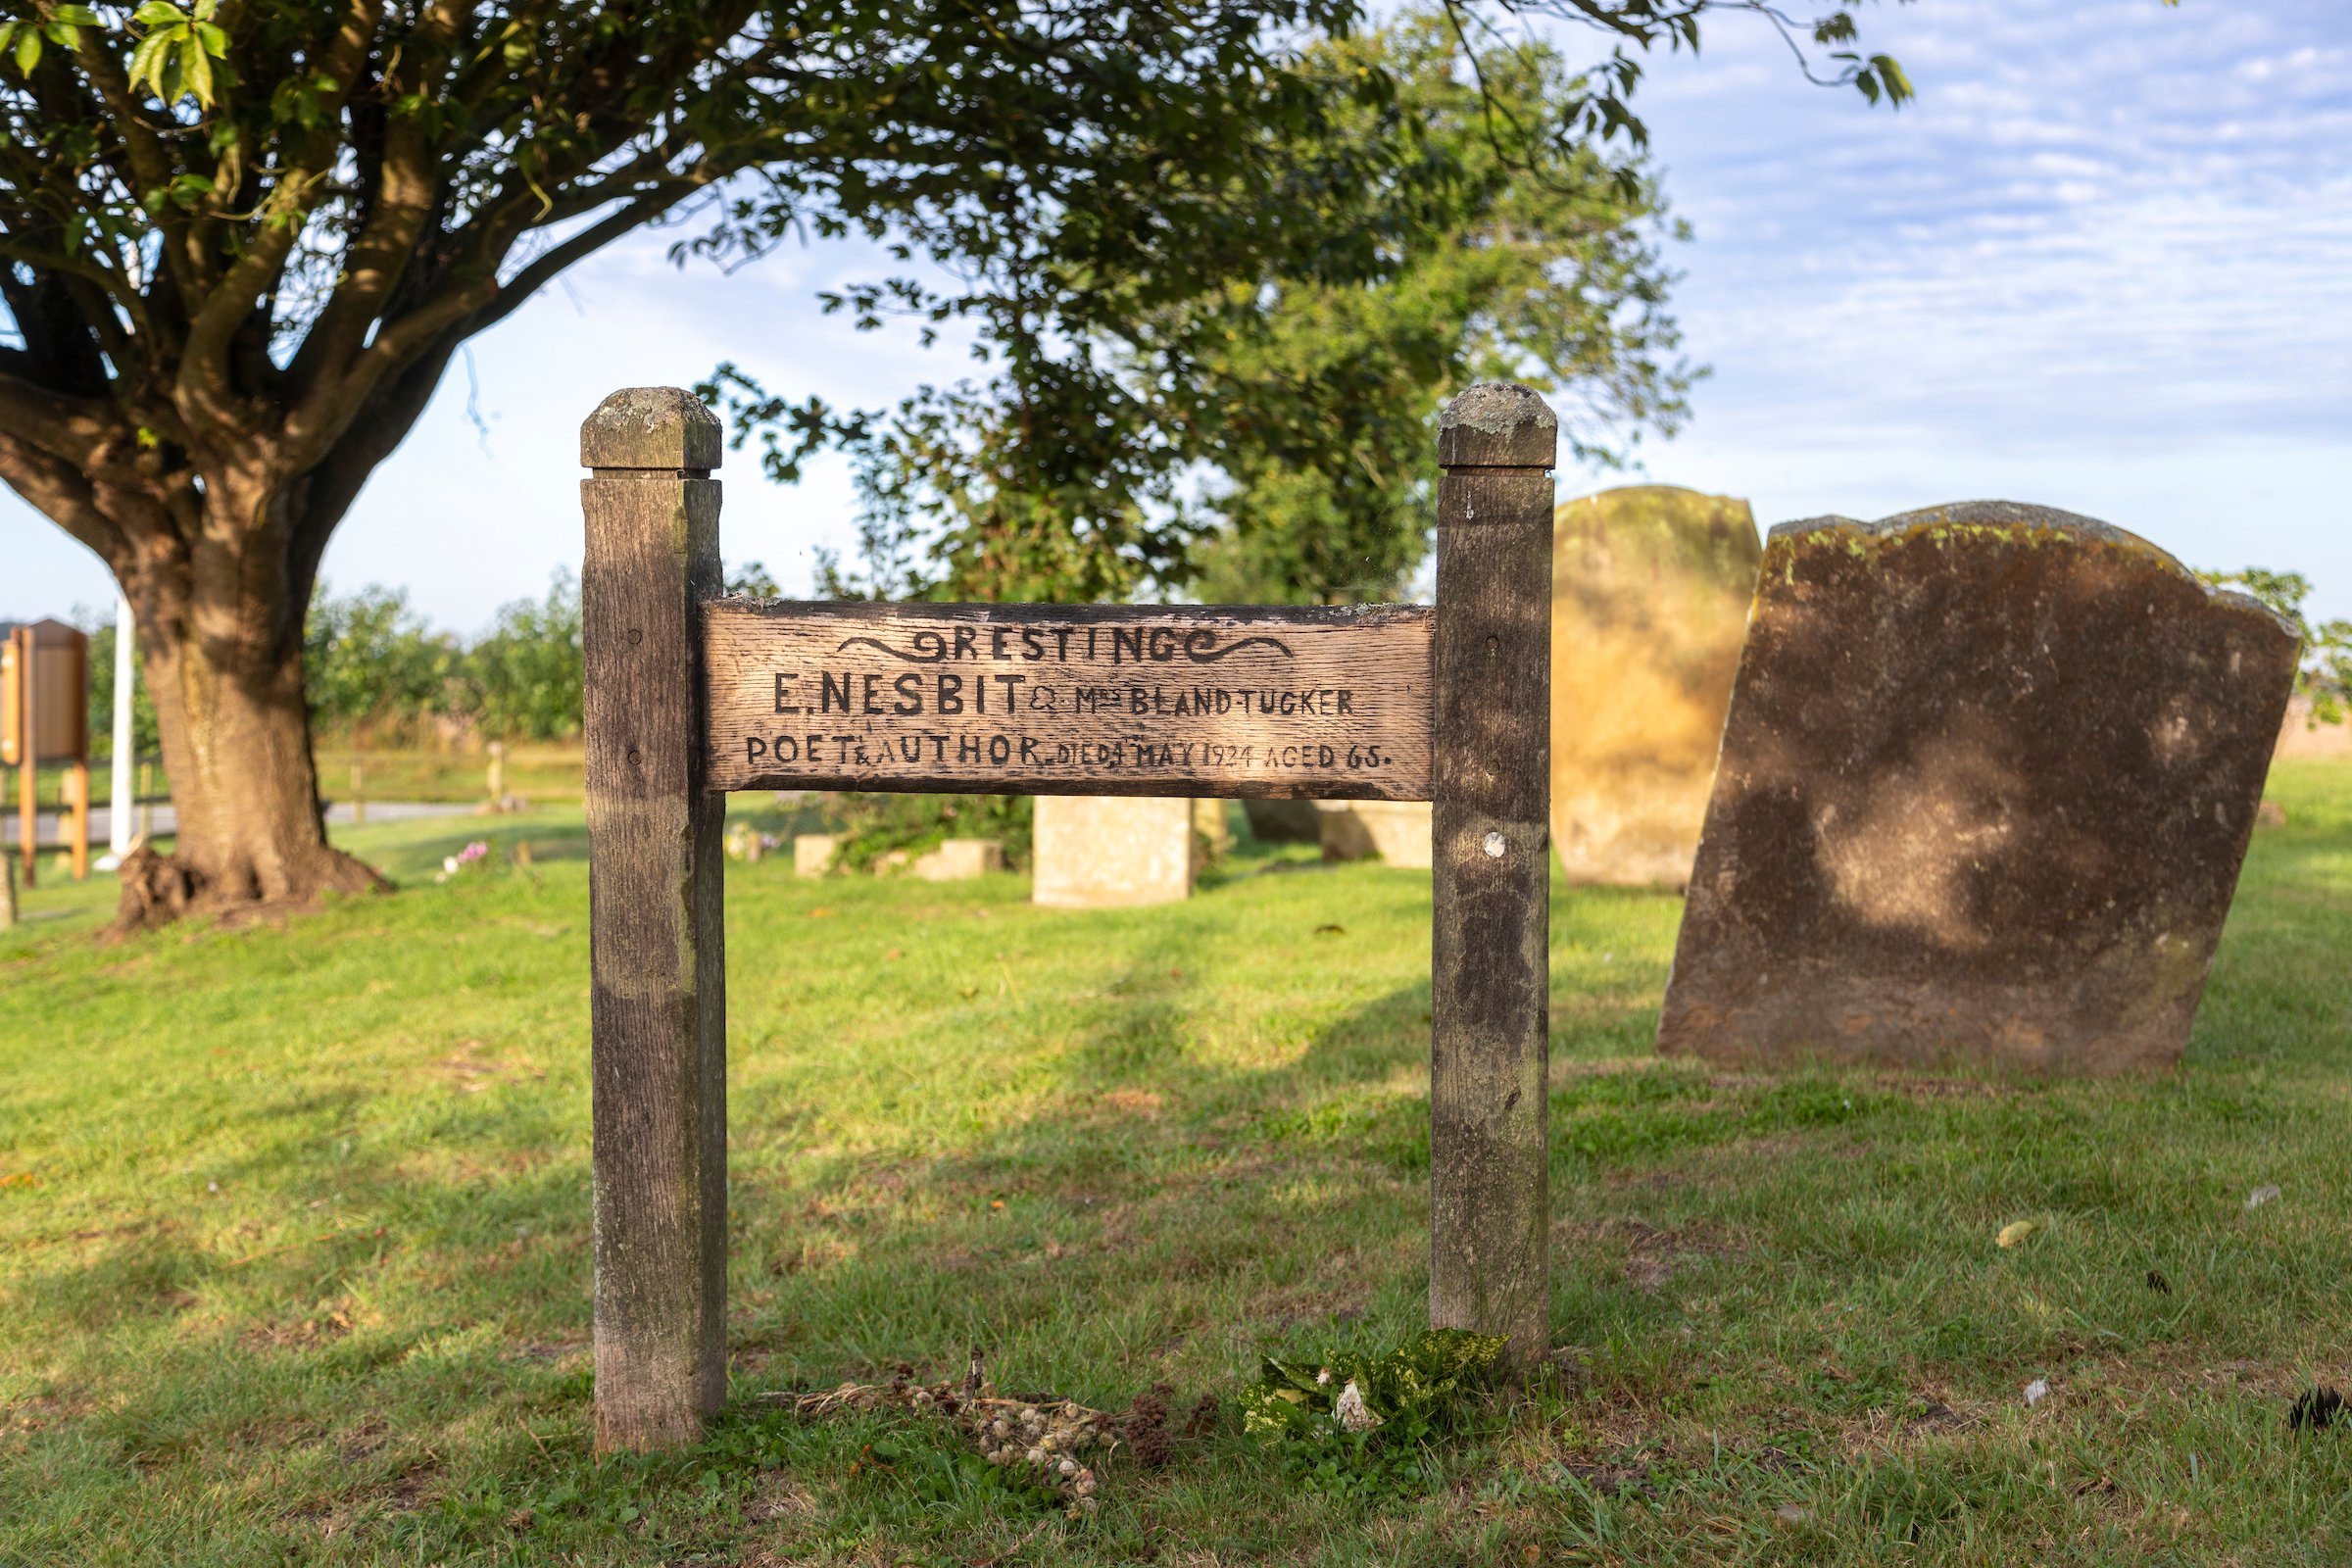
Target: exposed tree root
(159,888)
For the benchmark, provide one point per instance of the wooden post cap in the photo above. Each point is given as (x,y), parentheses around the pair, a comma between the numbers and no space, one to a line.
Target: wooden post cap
(651,427)
(1498,424)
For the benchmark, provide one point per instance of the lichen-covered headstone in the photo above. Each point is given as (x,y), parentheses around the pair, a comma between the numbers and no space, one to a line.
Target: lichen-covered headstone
(1649,593)
(1987,779)
(1110,851)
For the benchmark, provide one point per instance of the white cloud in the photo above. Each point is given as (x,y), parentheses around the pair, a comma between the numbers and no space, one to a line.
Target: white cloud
(2103,263)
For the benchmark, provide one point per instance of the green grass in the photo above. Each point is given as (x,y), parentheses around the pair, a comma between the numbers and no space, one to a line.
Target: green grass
(293,1238)
(548,772)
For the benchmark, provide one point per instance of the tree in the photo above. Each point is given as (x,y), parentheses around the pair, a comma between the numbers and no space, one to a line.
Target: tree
(2324,672)
(522,681)
(1267,439)
(1546,273)
(370,660)
(244,240)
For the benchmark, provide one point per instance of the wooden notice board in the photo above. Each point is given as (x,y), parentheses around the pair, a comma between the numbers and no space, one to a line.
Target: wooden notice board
(1089,699)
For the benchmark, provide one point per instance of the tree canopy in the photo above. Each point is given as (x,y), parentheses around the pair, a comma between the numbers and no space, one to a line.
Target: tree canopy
(242,239)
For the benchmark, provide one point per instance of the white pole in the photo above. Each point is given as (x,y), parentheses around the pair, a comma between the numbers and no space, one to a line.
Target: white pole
(127,673)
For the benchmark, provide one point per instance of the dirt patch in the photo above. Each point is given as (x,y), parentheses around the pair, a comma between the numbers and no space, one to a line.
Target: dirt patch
(472,1068)
(318,1328)
(1653,1256)
(361,1442)
(776,1496)
(1139,1103)
(1912,1086)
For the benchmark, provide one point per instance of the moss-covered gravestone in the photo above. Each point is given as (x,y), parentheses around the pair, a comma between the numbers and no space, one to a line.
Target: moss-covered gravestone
(1987,779)
(1649,593)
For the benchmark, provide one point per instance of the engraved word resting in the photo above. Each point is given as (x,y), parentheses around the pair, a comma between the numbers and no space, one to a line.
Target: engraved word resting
(1096,700)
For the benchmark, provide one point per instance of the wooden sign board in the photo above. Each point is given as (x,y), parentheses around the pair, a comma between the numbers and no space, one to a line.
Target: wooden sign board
(44,687)
(1328,703)
(691,694)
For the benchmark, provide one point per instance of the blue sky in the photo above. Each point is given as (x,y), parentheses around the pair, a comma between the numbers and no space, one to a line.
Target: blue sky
(2103,263)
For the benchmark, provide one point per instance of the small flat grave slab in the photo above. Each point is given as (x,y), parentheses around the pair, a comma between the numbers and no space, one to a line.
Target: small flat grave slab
(1987,779)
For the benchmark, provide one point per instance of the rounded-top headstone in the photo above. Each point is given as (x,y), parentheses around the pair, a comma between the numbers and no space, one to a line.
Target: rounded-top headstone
(1498,424)
(1987,777)
(1650,587)
(651,427)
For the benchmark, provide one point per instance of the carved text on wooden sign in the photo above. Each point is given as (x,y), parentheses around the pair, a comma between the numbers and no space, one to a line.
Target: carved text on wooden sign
(1093,700)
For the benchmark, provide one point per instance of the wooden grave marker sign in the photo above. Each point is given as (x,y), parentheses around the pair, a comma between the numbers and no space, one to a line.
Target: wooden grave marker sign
(691,694)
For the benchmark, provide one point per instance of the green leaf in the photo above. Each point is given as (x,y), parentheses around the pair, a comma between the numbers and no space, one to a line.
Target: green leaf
(1890,73)
(197,65)
(158,12)
(77,16)
(147,61)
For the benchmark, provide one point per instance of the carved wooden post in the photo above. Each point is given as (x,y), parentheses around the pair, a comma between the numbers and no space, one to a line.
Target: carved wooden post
(655,954)
(1489,1011)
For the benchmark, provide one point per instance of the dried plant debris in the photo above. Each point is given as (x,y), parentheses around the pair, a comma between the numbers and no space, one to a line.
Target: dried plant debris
(2316,1409)
(1052,1441)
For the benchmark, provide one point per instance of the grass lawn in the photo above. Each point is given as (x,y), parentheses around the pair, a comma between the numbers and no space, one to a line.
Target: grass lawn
(543,773)
(294,1239)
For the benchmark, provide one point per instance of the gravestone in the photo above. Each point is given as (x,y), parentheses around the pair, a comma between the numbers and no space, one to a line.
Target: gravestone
(1215,827)
(1987,780)
(1649,593)
(1112,852)
(812,853)
(1284,821)
(2306,734)
(960,861)
(1398,832)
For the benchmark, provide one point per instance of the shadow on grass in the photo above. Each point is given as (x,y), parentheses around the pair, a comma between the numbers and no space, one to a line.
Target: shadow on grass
(1113,1149)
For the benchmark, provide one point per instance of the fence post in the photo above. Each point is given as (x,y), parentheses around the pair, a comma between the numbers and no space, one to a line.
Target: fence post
(1489,1006)
(29,771)
(76,815)
(126,685)
(657,961)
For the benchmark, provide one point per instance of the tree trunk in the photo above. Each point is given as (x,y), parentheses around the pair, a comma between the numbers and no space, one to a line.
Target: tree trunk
(223,666)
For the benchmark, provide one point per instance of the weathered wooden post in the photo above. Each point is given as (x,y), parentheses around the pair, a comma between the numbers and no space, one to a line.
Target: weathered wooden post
(1489,1011)
(657,960)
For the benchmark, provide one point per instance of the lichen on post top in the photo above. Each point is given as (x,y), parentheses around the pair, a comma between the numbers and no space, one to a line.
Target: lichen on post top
(1987,778)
